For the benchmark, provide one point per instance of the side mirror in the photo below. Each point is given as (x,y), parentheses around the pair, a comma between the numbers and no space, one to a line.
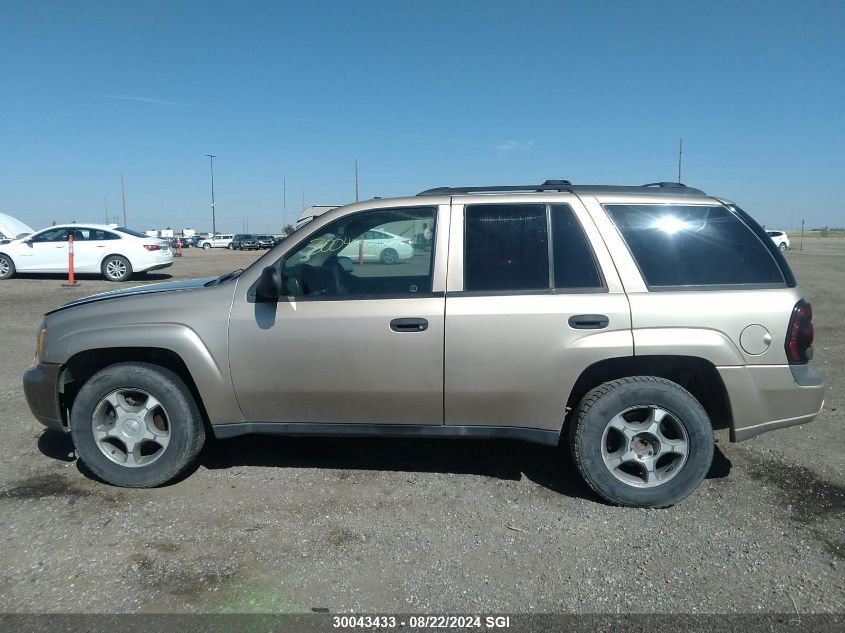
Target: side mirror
(345,264)
(269,285)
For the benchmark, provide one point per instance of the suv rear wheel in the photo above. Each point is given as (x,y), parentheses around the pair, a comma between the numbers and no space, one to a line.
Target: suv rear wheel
(641,441)
(136,425)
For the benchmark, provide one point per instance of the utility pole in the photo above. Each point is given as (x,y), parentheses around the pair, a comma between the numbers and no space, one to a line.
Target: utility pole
(107,209)
(284,202)
(680,156)
(123,197)
(356,180)
(213,218)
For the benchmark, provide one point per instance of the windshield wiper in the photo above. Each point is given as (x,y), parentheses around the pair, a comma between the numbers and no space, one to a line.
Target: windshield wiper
(223,278)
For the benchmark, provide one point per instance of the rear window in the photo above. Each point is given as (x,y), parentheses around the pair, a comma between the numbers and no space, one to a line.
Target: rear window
(129,231)
(679,245)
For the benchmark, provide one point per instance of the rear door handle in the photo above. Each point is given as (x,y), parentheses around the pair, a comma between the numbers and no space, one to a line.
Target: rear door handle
(409,325)
(588,321)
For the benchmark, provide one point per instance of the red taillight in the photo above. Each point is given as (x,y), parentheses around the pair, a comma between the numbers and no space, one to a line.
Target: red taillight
(799,334)
(152,247)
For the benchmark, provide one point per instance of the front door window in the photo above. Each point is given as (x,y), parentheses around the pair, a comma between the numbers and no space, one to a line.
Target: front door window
(371,253)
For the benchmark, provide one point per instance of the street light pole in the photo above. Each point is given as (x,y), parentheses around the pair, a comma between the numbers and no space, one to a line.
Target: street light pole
(213,218)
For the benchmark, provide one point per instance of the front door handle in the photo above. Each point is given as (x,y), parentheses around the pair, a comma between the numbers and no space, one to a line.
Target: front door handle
(409,325)
(588,321)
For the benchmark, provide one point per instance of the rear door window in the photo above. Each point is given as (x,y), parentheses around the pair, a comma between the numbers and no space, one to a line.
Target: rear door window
(685,245)
(506,247)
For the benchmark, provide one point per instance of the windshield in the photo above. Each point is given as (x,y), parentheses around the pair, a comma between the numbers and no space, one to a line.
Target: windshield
(133,232)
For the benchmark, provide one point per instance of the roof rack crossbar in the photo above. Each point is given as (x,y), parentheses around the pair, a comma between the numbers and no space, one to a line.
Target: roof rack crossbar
(666,185)
(549,185)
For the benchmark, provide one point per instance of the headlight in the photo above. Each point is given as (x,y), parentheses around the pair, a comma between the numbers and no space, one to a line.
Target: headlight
(42,341)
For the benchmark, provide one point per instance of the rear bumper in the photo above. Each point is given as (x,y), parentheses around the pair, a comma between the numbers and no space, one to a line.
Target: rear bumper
(41,388)
(768,397)
(147,269)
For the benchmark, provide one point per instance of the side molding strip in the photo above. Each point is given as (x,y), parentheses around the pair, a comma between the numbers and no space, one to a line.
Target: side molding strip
(537,436)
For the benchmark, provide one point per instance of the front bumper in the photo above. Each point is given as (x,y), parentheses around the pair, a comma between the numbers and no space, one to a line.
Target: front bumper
(41,387)
(768,397)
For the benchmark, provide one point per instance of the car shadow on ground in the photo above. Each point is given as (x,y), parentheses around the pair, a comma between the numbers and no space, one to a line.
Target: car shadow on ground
(547,466)
(92,276)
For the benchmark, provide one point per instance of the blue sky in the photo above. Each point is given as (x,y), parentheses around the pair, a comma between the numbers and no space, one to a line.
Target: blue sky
(423,94)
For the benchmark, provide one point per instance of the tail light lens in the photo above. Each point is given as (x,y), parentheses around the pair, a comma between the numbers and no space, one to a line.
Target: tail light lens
(152,247)
(408,242)
(799,334)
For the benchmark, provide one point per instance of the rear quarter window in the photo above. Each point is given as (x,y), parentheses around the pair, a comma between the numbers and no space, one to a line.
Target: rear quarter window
(686,245)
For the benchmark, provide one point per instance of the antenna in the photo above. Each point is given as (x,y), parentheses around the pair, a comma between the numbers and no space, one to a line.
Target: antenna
(680,156)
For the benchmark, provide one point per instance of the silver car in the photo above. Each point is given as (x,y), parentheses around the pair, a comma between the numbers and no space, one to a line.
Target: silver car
(624,322)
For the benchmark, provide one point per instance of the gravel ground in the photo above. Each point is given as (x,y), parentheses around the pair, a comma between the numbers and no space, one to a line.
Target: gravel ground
(287,525)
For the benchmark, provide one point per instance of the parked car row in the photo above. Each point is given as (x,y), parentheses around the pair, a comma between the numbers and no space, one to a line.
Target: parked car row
(115,252)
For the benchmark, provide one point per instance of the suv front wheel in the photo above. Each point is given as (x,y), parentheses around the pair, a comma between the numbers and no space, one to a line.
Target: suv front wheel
(641,441)
(136,425)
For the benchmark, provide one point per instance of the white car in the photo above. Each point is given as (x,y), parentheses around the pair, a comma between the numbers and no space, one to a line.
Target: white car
(376,246)
(217,241)
(780,238)
(114,252)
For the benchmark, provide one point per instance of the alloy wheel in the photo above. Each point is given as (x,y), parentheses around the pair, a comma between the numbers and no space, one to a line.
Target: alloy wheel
(116,268)
(131,427)
(644,446)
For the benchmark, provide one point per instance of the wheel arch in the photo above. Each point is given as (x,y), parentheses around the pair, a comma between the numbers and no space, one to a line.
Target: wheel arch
(84,364)
(697,375)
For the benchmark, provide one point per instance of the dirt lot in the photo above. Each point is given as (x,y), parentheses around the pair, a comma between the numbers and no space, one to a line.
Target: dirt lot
(287,525)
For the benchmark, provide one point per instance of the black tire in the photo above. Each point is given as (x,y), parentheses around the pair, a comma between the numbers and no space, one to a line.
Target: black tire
(206,246)
(600,405)
(187,433)
(782,246)
(7,267)
(389,256)
(230,246)
(116,268)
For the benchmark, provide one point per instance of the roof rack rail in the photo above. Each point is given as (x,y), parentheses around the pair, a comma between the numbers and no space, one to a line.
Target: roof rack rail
(666,185)
(549,185)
